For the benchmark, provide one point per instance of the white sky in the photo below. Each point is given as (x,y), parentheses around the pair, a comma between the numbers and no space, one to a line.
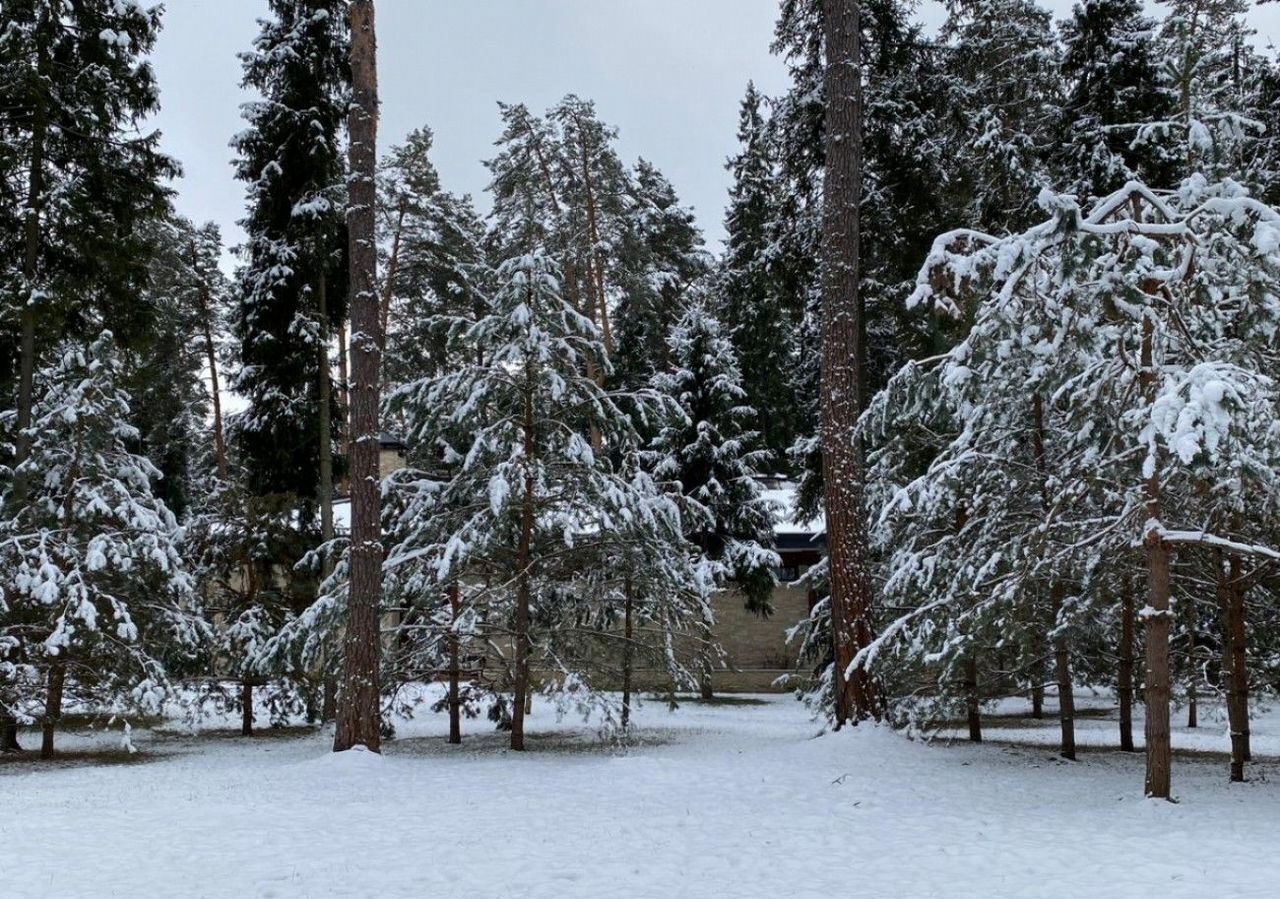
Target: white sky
(667,73)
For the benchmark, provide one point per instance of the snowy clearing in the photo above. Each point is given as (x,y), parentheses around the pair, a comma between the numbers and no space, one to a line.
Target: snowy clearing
(722,800)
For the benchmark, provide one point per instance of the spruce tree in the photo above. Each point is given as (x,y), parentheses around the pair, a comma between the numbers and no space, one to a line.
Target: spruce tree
(290,156)
(659,263)
(710,453)
(1113,86)
(1005,88)
(526,507)
(762,327)
(79,176)
(436,254)
(98,602)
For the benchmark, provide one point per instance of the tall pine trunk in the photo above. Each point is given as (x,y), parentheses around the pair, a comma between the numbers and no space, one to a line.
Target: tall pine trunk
(455,664)
(842,363)
(1156,615)
(628,655)
(1062,670)
(1193,699)
(706,661)
(246,705)
(1057,594)
(1231,591)
(211,359)
(52,706)
(524,559)
(359,714)
(1124,680)
(324,485)
(973,698)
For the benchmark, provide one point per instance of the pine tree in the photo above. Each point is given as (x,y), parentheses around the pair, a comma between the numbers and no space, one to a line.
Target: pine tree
(290,157)
(79,176)
(1111,66)
(98,601)
(1146,347)
(1203,45)
(660,260)
(760,325)
(168,367)
(1004,66)
(712,455)
(436,253)
(527,507)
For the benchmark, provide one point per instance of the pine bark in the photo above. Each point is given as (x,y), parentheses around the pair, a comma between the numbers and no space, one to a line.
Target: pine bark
(344,385)
(211,358)
(706,684)
(52,706)
(1193,699)
(973,698)
(1124,681)
(455,704)
(325,483)
(246,705)
(1156,615)
(389,285)
(359,714)
(628,655)
(1062,669)
(524,559)
(1231,591)
(842,363)
(1057,593)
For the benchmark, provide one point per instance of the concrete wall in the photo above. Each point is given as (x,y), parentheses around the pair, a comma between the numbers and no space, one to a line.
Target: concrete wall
(756,648)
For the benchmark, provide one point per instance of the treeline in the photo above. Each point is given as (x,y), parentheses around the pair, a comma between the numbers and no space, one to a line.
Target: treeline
(582,472)
(1067,411)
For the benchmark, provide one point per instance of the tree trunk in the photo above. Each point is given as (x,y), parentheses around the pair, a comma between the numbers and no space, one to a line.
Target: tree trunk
(1231,592)
(706,689)
(628,633)
(325,486)
(388,286)
(595,267)
(211,358)
(524,559)
(246,705)
(52,706)
(973,697)
(1062,669)
(842,364)
(359,714)
(9,735)
(1156,614)
(1037,698)
(455,707)
(1124,682)
(1193,718)
(329,698)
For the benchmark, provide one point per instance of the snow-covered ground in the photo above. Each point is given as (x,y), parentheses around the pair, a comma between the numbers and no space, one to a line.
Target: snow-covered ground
(712,801)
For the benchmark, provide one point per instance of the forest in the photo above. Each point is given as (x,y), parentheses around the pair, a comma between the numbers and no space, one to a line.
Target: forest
(998,302)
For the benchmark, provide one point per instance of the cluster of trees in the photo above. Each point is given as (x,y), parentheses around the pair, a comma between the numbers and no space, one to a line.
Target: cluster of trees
(1066,399)
(583,462)
(1037,438)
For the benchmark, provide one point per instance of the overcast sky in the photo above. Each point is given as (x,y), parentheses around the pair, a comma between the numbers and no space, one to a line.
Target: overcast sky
(667,73)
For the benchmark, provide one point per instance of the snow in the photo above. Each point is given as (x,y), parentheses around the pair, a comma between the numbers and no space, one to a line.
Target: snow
(783,500)
(737,800)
